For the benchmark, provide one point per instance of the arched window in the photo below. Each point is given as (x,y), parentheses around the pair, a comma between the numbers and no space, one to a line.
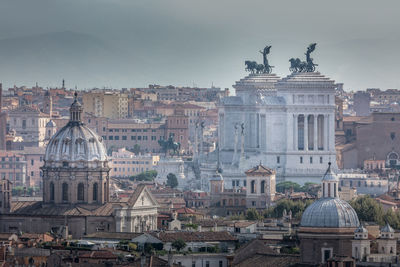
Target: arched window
(95,191)
(262,187)
(253,186)
(393,158)
(105,191)
(51,191)
(65,192)
(81,192)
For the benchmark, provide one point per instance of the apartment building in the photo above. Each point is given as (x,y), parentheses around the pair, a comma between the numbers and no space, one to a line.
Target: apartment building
(109,104)
(124,163)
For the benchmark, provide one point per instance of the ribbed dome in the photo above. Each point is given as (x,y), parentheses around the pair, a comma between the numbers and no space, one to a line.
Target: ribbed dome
(330,213)
(75,145)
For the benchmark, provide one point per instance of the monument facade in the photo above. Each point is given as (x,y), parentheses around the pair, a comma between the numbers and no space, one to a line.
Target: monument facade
(286,124)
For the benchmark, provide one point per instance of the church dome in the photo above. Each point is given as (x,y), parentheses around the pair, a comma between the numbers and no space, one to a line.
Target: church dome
(330,213)
(76,145)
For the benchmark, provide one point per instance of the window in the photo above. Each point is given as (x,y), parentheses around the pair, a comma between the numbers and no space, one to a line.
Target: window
(51,191)
(139,138)
(220,263)
(301,160)
(263,187)
(278,159)
(95,191)
(116,137)
(133,137)
(253,203)
(81,192)
(233,183)
(65,192)
(310,160)
(32,162)
(320,160)
(253,186)
(111,137)
(326,254)
(193,264)
(124,137)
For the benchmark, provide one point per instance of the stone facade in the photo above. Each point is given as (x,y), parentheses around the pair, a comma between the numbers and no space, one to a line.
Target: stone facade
(261,188)
(30,124)
(374,138)
(318,245)
(287,124)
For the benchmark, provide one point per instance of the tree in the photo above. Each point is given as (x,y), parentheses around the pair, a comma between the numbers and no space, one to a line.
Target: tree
(144,176)
(136,149)
(284,186)
(178,244)
(311,188)
(172,181)
(297,208)
(368,209)
(252,215)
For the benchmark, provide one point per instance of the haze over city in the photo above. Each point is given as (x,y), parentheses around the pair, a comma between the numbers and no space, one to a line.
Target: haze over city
(172,133)
(193,43)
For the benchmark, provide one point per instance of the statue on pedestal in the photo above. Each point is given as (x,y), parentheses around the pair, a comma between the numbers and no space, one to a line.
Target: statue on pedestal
(235,144)
(296,65)
(170,145)
(265,52)
(254,67)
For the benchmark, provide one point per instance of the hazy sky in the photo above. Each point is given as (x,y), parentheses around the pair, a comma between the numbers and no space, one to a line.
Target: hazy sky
(132,43)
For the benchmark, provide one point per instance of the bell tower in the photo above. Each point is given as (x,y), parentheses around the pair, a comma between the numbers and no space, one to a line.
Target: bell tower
(48,104)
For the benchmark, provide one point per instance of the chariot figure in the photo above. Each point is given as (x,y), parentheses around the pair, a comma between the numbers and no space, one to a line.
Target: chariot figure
(265,52)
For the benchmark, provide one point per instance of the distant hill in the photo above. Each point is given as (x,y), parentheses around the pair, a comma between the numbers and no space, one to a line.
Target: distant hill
(51,57)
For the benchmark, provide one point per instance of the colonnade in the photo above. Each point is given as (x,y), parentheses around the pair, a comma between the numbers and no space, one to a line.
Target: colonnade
(311,132)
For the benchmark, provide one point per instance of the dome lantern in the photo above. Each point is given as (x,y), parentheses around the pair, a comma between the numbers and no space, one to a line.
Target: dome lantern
(330,184)
(76,110)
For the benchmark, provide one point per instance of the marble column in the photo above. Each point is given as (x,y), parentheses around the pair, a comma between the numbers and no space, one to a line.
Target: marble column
(315,132)
(326,133)
(305,132)
(295,131)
